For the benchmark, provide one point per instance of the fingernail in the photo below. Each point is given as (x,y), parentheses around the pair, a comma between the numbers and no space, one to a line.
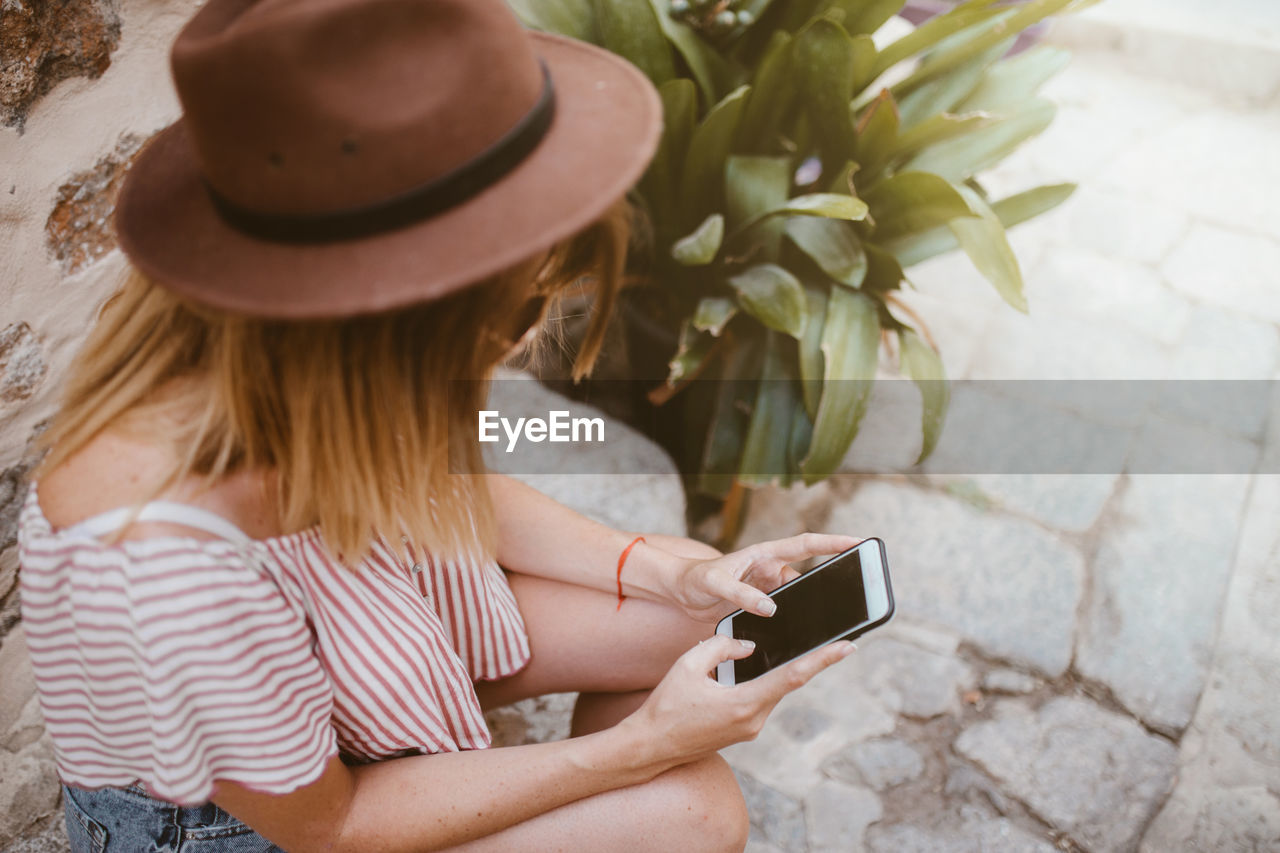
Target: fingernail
(748,644)
(848,650)
(767,607)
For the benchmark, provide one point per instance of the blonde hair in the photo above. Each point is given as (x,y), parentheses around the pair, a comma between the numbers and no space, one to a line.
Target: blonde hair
(359,418)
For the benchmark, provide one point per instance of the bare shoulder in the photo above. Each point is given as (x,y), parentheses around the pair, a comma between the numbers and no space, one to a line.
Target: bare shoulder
(117,470)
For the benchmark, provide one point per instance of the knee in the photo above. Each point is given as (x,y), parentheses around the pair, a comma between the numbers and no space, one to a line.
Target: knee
(706,808)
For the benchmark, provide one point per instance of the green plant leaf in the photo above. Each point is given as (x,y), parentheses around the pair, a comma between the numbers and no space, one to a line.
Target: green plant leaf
(1011,211)
(850,343)
(700,247)
(661,183)
(983,239)
(864,17)
(910,202)
(702,61)
(755,186)
(573,18)
(798,444)
(771,99)
(932,31)
(765,450)
(921,363)
(811,359)
(1013,21)
(829,205)
(1017,209)
(690,353)
(630,29)
(942,94)
(937,129)
(877,136)
(713,314)
(704,168)
(962,157)
(825,64)
(1016,79)
(773,296)
(734,393)
(883,271)
(833,247)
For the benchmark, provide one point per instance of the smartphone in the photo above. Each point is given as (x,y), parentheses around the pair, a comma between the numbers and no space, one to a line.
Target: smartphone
(841,599)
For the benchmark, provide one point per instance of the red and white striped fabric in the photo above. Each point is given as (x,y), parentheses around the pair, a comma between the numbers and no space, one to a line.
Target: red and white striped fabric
(177,661)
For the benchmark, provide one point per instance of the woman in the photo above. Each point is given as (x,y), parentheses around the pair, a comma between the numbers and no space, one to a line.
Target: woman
(262,611)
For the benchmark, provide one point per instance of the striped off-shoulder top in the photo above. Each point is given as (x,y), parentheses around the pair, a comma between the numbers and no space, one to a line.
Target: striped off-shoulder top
(175,661)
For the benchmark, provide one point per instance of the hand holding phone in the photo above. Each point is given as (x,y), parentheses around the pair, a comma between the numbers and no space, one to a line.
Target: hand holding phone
(688,715)
(839,600)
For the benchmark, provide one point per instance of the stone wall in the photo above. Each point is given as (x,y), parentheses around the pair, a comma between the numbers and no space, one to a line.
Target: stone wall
(83,83)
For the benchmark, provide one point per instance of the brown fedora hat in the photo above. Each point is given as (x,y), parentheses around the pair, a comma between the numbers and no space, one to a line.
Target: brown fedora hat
(340,157)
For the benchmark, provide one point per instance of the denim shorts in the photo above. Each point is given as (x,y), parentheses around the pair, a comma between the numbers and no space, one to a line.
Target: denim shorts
(127,820)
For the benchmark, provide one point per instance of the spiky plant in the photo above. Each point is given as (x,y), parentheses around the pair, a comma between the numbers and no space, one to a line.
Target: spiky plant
(801,170)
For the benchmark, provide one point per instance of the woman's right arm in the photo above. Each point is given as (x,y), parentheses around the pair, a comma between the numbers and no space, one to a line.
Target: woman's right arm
(430,802)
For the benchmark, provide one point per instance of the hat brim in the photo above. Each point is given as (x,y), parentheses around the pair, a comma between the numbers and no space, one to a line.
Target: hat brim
(606,127)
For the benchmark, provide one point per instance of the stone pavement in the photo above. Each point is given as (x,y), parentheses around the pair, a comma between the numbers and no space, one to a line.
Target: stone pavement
(1080,662)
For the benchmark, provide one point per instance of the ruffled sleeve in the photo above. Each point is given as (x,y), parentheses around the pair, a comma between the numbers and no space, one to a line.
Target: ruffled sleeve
(175,663)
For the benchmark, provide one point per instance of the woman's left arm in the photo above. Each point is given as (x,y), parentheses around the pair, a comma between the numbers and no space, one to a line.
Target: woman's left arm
(539,536)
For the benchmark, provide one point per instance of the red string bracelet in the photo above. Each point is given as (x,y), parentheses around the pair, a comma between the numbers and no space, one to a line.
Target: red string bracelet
(622,561)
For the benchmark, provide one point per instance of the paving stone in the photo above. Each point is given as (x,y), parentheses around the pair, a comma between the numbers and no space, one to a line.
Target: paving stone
(1107,288)
(1167,444)
(1234,191)
(1004,584)
(1207,818)
(19,681)
(52,840)
(1045,345)
(775,817)
(46,43)
(1065,501)
(1082,141)
(22,364)
(1008,681)
(776,513)
(880,764)
(29,789)
(921,636)
(1223,345)
(755,845)
(1230,755)
(1091,773)
(1149,628)
(838,815)
(627,482)
(965,831)
(541,719)
(1227,268)
(779,760)
(1122,226)
(1226,51)
(801,723)
(909,680)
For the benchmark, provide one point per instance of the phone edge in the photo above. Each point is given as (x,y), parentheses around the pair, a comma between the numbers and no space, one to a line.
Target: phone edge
(724,669)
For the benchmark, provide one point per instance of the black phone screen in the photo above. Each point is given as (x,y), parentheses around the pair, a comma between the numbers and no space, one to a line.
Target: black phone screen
(820,606)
